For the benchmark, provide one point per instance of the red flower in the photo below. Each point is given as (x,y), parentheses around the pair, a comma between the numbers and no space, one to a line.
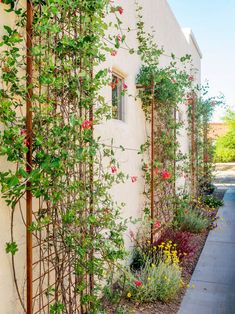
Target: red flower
(157,224)
(26,142)
(138,283)
(166,175)
(113,169)
(120,10)
(113,85)
(206,158)
(87,124)
(191,78)
(134,179)
(125,86)
(113,53)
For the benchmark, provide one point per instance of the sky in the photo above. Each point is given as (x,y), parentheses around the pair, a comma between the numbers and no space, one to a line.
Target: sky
(213,24)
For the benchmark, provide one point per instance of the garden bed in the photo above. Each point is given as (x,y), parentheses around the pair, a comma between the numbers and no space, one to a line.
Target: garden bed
(172,307)
(151,286)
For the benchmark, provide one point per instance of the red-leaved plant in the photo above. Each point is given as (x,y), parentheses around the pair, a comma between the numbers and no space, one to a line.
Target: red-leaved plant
(185,245)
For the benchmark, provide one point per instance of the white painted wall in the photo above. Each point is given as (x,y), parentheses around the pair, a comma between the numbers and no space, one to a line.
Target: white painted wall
(130,134)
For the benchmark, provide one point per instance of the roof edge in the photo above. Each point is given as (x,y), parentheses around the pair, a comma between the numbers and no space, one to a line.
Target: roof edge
(189,35)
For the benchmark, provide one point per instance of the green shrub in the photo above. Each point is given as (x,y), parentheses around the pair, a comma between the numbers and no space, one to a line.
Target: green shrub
(191,220)
(212,201)
(225,147)
(153,282)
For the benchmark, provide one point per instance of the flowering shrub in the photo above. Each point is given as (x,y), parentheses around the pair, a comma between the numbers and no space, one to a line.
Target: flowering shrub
(154,282)
(182,240)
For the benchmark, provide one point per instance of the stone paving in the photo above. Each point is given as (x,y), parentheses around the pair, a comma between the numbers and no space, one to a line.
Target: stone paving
(214,277)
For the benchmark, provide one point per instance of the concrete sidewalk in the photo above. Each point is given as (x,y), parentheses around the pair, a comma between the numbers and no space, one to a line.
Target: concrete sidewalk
(214,276)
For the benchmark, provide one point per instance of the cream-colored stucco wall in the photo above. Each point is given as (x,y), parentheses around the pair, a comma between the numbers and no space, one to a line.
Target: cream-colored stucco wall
(130,133)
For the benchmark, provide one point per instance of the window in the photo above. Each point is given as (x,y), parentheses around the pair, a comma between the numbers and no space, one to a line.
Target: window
(117,97)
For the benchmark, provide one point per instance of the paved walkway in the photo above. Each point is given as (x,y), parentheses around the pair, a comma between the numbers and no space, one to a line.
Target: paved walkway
(214,276)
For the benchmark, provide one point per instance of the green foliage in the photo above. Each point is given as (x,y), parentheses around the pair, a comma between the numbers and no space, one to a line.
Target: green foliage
(225,144)
(11,247)
(67,177)
(57,308)
(163,88)
(153,282)
(225,147)
(191,220)
(212,201)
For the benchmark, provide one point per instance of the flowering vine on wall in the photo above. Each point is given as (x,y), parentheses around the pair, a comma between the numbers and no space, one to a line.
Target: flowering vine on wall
(76,228)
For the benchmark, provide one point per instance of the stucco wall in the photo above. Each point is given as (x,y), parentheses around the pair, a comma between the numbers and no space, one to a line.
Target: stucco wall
(131,133)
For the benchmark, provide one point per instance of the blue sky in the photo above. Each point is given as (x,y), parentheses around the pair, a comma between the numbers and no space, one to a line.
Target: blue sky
(213,24)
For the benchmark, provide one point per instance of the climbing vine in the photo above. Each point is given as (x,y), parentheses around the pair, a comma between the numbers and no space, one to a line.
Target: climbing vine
(200,111)
(163,88)
(76,227)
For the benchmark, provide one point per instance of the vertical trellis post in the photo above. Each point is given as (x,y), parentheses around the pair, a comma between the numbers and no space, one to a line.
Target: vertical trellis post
(205,146)
(29,73)
(175,151)
(152,158)
(193,146)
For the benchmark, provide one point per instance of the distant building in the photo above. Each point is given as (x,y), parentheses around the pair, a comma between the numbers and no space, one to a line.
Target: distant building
(217,129)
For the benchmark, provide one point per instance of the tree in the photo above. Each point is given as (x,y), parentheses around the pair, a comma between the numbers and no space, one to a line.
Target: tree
(225,144)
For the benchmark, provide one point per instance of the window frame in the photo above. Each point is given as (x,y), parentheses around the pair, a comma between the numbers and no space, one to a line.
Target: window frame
(121,99)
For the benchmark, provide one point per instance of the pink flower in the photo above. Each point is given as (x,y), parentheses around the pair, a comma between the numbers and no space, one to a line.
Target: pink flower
(191,78)
(157,224)
(120,10)
(23,132)
(134,179)
(166,175)
(119,38)
(113,53)
(213,103)
(26,142)
(138,283)
(125,86)
(87,124)
(113,169)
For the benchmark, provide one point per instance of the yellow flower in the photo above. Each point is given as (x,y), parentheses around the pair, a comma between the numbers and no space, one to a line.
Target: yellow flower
(188,286)
(154,248)
(153,265)
(149,278)
(129,295)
